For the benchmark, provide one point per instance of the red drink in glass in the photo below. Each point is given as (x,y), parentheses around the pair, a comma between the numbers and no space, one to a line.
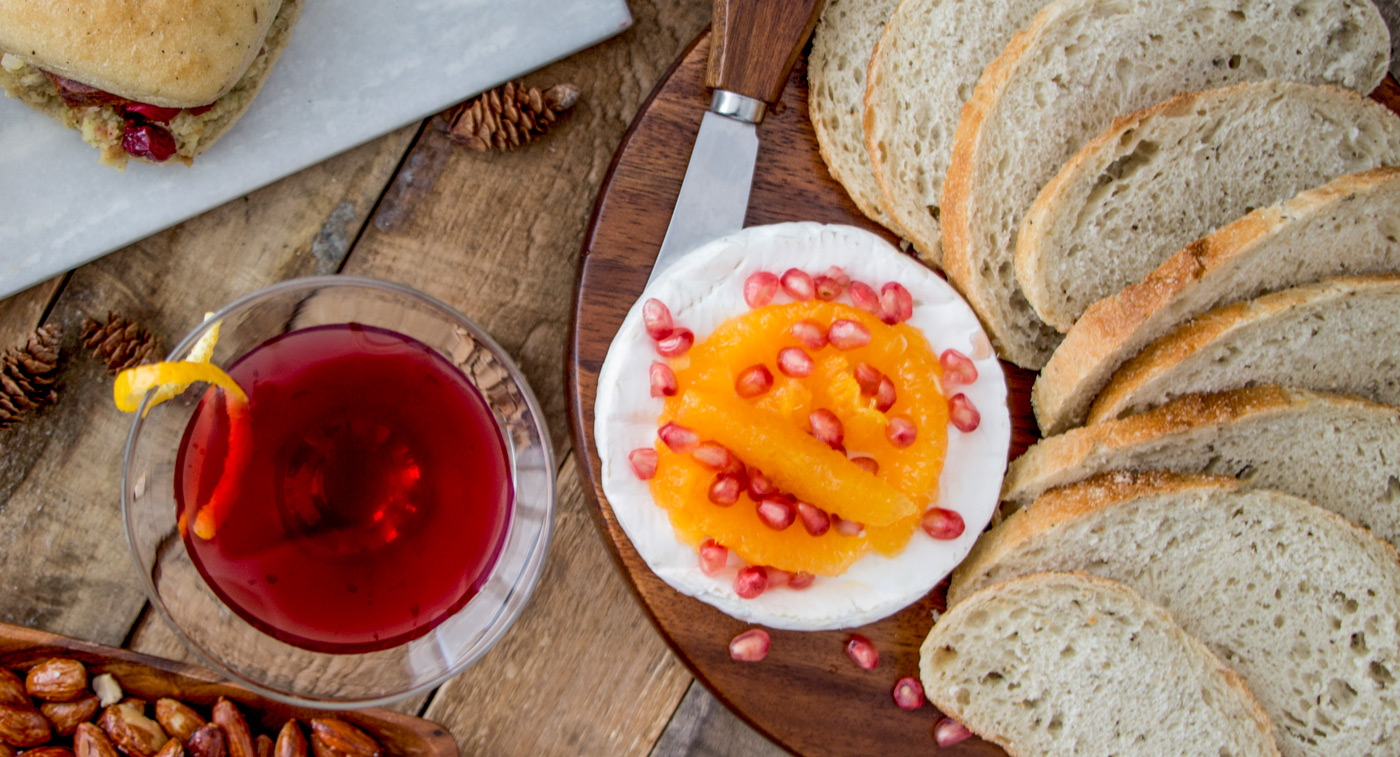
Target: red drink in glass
(375,497)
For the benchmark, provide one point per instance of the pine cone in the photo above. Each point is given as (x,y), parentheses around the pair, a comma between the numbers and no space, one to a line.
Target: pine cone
(509,115)
(120,343)
(28,375)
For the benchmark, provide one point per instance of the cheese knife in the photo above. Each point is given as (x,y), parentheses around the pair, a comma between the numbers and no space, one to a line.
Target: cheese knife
(753,46)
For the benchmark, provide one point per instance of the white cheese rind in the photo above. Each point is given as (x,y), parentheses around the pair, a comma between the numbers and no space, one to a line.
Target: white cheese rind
(704,289)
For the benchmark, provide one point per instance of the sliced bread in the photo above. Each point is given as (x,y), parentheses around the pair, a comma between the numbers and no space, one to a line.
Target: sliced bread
(1066,664)
(1161,177)
(1349,226)
(1338,452)
(920,76)
(841,47)
(1303,605)
(1080,64)
(1338,335)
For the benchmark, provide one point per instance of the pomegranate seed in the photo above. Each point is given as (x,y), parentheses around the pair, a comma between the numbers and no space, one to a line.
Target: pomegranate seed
(798,284)
(759,485)
(964,416)
(868,377)
(864,297)
(826,287)
(663,380)
(896,304)
(777,578)
(750,646)
(957,368)
(862,652)
(643,462)
(776,512)
(713,557)
(839,274)
(801,581)
(884,395)
(714,456)
(153,113)
(677,344)
(751,581)
(725,489)
(826,427)
(868,464)
(759,288)
(942,524)
(848,335)
(847,527)
(901,432)
(949,732)
(809,333)
(148,141)
(678,437)
(908,693)
(792,361)
(753,381)
(656,317)
(814,519)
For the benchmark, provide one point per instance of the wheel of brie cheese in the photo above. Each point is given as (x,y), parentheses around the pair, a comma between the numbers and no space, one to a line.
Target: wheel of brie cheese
(802,427)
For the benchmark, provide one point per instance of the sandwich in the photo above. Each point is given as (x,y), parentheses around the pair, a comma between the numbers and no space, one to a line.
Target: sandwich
(156,80)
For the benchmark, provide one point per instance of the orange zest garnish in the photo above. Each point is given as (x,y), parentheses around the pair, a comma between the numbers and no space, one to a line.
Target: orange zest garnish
(133,383)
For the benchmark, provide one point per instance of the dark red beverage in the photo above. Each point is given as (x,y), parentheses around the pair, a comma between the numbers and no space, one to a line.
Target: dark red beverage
(374,497)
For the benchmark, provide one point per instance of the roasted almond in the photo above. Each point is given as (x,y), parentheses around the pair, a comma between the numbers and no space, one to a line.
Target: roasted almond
(263,746)
(49,751)
(22,726)
(91,741)
(290,742)
(57,680)
(12,689)
(240,739)
(208,741)
(130,729)
(178,719)
(341,738)
(172,748)
(65,716)
(6,750)
(108,691)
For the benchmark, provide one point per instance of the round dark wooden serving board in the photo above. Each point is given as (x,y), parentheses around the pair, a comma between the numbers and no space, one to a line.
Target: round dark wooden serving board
(806,695)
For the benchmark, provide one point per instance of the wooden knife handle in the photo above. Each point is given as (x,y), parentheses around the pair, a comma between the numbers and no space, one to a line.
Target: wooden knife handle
(754,44)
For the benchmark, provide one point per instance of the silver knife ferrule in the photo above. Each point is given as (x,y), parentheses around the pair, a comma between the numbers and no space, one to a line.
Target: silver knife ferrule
(738,107)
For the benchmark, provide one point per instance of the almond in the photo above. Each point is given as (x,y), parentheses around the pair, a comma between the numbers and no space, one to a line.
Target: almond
(108,691)
(341,739)
(65,716)
(208,741)
(134,734)
(91,741)
(263,746)
(178,719)
(240,739)
(12,690)
(57,680)
(172,748)
(290,742)
(6,750)
(49,751)
(22,726)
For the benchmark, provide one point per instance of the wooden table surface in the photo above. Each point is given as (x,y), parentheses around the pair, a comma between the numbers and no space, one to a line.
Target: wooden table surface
(496,235)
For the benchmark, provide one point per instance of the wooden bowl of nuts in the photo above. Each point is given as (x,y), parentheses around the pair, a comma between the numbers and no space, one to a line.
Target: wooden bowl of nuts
(61,697)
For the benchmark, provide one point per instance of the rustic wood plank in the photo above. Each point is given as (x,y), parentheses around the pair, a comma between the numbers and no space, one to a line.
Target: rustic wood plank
(703,727)
(20,313)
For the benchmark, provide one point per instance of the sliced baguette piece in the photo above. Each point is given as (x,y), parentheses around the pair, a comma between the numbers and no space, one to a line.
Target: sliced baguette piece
(1066,664)
(1349,226)
(1337,335)
(920,76)
(1080,64)
(1341,453)
(842,44)
(1303,605)
(1161,177)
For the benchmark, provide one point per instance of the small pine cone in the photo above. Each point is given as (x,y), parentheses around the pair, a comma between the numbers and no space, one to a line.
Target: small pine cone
(119,343)
(29,374)
(508,116)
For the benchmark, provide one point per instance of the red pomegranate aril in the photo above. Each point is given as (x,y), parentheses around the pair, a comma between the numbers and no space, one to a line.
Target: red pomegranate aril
(963,415)
(868,378)
(949,732)
(798,284)
(713,557)
(751,581)
(678,438)
(148,141)
(713,455)
(884,395)
(777,578)
(896,304)
(848,335)
(864,297)
(827,427)
(663,380)
(868,464)
(814,519)
(827,288)
(759,288)
(152,113)
(759,485)
(643,462)
(794,362)
(862,652)
(656,317)
(801,580)
(957,368)
(677,344)
(839,274)
(776,513)
(942,524)
(847,527)
(725,489)
(908,693)
(809,333)
(750,646)
(753,381)
(901,432)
